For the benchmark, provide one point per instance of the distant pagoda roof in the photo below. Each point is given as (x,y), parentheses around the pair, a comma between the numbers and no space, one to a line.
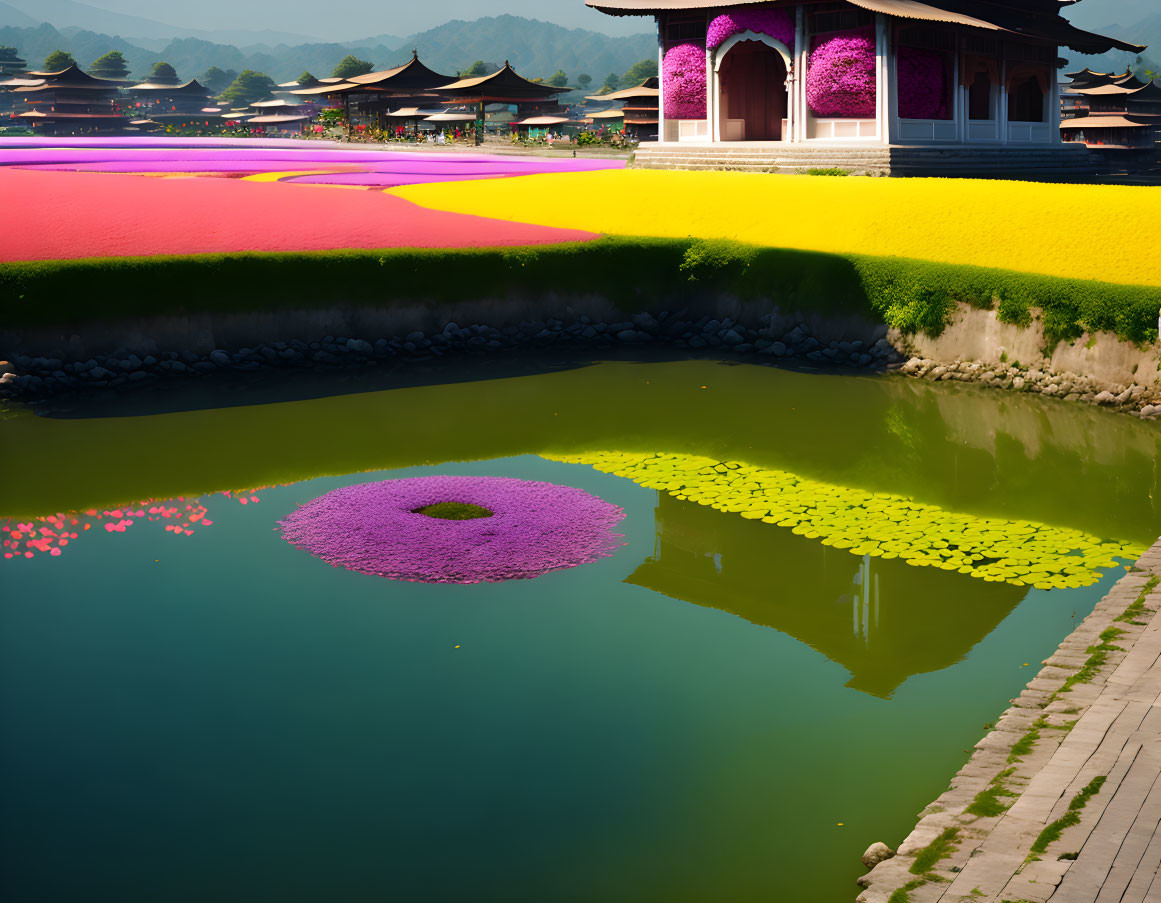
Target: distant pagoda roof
(502,86)
(322,89)
(193,88)
(274,120)
(647,88)
(1149,91)
(1104,121)
(1035,19)
(71,77)
(409,78)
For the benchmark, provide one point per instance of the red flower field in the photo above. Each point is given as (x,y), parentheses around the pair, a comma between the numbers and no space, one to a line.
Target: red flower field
(79,214)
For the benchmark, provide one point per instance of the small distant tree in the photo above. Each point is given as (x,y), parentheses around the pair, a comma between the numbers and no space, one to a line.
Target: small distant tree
(306,78)
(217,80)
(58,60)
(638,72)
(111,65)
(558,79)
(249,87)
(584,80)
(351,65)
(8,53)
(163,74)
(478,68)
(611,83)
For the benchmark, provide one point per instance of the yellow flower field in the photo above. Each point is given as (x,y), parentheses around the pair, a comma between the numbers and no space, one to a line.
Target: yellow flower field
(1080,231)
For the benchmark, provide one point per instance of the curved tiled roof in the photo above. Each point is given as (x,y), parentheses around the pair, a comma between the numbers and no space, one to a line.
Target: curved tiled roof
(1038,19)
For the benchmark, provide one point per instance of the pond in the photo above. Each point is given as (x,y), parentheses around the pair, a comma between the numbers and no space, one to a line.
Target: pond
(723,709)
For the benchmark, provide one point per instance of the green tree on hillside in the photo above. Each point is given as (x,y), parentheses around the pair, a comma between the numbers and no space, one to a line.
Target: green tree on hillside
(111,65)
(58,60)
(163,74)
(351,65)
(638,72)
(478,68)
(306,78)
(611,83)
(217,80)
(249,87)
(584,80)
(8,53)
(558,79)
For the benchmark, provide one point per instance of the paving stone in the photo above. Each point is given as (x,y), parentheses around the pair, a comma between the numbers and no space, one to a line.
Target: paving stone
(1117,734)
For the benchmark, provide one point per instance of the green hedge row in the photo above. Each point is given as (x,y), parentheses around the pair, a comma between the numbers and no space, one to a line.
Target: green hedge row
(634,273)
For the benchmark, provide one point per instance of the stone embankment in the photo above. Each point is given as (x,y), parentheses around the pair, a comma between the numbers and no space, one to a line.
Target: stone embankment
(1061,801)
(1144,401)
(69,366)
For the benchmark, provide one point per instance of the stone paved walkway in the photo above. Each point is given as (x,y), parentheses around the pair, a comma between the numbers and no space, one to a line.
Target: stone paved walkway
(1063,733)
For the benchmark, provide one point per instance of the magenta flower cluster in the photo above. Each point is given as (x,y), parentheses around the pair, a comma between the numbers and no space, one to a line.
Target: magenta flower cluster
(374,528)
(683,82)
(773,22)
(922,74)
(840,76)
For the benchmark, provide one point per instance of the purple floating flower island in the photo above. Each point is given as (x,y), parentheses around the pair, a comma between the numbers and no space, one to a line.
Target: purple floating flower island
(377,528)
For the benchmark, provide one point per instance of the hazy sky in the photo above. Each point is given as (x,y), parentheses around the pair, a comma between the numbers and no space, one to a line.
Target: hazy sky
(350,19)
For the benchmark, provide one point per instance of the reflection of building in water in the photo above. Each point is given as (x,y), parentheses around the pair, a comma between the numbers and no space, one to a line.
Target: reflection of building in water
(865,600)
(882,620)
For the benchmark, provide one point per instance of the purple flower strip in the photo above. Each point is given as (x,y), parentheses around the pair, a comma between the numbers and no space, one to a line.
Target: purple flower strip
(535,528)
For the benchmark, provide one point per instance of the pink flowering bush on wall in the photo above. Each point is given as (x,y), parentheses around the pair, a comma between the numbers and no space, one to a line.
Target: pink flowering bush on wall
(840,76)
(683,82)
(922,92)
(773,22)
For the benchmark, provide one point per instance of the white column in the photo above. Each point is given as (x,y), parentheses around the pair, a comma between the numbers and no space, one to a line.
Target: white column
(887,87)
(711,94)
(802,119)
(660,80)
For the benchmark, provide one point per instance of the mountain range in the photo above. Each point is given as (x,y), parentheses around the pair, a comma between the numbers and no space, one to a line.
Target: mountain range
(145,32)
(535,48)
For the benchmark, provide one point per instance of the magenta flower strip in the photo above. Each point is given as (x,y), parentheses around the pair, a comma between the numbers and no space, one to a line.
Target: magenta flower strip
(922,76)
(840,76)
(683,81)
(773,22)
(535,528)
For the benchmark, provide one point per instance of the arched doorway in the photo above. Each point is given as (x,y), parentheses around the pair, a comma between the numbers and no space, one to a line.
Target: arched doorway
(752,90)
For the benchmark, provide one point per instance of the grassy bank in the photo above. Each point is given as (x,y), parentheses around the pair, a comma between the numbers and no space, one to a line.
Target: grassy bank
(634,273)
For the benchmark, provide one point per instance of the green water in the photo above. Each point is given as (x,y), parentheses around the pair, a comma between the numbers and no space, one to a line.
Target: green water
(221,716)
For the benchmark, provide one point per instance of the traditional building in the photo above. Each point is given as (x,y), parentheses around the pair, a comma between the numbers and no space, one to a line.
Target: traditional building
(639,110)
(70,102)
(186,104)
(1114,112)
(11,65)
(872,73)
(504,86)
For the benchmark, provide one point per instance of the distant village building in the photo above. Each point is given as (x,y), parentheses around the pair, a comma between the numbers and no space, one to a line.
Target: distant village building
(1113,112)
(533,100)
(872,73)
(187,104)
(371,100)
(11,65)
(70,102)
(639,112)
